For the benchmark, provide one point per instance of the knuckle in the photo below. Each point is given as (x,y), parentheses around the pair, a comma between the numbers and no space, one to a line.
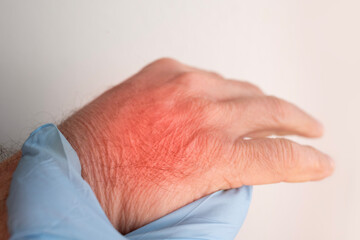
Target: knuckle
(213,112)
(252,87)
(164,61)
(287,153)
(188,79)
(278,107)
(215,74)
(246,152)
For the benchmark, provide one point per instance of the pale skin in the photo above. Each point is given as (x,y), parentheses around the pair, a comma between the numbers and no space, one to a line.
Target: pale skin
(173,133)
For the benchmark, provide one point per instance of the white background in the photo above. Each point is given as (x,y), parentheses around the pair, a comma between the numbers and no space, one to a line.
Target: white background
(57,55)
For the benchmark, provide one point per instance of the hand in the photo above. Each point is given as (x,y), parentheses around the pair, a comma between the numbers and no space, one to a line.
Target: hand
(172,134)
(50,200)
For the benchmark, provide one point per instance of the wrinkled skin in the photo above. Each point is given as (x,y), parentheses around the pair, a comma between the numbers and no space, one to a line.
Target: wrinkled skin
(172,133)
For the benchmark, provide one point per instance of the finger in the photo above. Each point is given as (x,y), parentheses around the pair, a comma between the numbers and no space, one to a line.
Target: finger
(248,88)
(264,161)
(267,133)
(198,80)
(267,115)
(239,88)
(209,84)
(230,88)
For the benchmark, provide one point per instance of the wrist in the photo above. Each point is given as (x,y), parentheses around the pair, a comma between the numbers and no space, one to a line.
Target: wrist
(86,135)
(107,167)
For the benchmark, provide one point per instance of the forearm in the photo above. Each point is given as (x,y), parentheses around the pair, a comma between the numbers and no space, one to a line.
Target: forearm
(7,167)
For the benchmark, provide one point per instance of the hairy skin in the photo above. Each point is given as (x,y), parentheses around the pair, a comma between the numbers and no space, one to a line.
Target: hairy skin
(153,153)
(7,167)
(172,134)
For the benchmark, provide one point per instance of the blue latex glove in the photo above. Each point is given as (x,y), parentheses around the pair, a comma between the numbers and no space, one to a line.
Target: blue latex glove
(50,200)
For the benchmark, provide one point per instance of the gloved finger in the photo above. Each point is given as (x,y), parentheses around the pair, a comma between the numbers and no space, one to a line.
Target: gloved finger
(48,198)
(216,216)
(268,115)
(264,161)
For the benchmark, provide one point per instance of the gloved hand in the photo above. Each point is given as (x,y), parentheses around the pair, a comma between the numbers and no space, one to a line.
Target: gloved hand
(50,200)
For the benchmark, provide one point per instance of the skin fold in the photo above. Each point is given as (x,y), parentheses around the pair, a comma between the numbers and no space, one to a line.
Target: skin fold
(173,133)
